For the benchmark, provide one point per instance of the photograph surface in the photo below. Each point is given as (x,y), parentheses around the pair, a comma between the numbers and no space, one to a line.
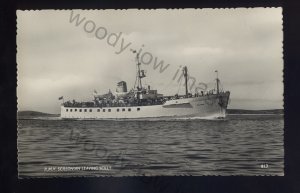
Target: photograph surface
(187,92)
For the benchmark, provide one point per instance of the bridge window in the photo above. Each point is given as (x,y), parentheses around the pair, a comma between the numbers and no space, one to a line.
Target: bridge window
(109,110)
(84,110)
(103,110)
(118,110)
(80,110)
(138,109)
(129,109)
(123,109)
(90,110)
(98,110)
(67,110)
(75,110)
(70,110)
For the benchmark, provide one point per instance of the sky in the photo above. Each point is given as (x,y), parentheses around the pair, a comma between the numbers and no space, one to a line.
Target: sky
(72,53)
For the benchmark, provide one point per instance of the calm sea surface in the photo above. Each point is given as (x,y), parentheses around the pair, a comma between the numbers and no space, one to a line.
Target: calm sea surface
(238,145)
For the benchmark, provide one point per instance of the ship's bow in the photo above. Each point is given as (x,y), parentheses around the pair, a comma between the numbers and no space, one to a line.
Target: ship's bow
(223,101)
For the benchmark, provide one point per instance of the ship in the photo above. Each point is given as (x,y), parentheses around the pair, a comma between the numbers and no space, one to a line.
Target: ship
(144,102)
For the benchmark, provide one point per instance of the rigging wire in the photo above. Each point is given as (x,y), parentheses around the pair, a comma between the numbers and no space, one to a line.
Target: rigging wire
(136,70)
(179,85)
(166,87)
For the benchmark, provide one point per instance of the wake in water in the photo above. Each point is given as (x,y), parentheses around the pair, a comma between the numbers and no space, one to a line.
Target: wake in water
(215,117)
(211,118)
(41,118)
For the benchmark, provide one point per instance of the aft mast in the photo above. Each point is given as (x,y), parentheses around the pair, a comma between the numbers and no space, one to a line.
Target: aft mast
(186,79)
(218,82)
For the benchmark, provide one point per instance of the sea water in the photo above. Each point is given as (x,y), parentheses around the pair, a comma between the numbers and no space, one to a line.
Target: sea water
(237,145)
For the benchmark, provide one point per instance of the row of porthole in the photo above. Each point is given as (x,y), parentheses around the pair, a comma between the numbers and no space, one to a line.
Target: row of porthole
(99,110)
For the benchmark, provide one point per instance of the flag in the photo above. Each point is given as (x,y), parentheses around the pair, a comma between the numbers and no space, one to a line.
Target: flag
(60,98)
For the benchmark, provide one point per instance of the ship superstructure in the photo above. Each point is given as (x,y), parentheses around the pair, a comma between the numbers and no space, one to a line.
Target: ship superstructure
(145,102)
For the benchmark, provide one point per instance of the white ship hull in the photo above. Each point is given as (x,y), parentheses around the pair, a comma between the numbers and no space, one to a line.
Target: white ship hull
(202,106)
